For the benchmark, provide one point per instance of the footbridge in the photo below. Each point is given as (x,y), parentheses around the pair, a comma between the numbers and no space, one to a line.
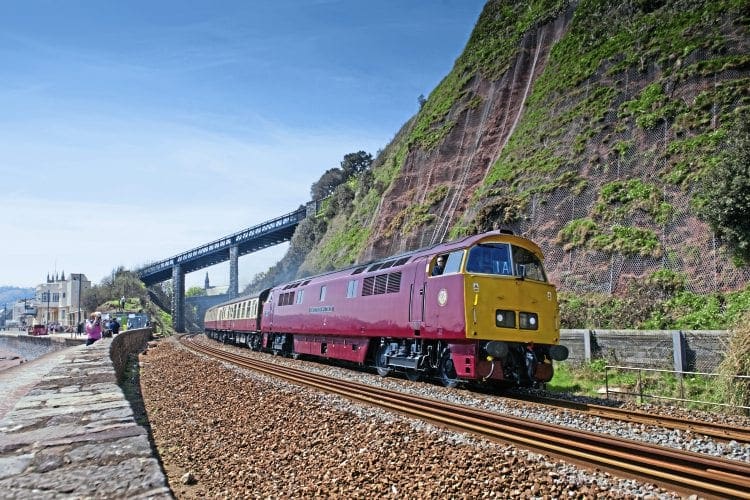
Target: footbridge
(228,248)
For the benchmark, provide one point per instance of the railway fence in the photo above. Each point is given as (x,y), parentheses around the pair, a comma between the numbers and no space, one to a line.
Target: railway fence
(678,350)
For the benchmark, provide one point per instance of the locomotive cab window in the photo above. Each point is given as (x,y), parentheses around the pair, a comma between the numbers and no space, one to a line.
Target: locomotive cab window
(490,258)
(527,265)
(449,263)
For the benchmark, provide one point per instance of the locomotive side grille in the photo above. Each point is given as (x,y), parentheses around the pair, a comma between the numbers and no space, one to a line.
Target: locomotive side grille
(286,299)
(367,285)
(380,283)
(394,282)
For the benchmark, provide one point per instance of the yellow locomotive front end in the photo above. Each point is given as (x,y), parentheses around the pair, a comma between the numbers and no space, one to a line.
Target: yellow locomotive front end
(511,308)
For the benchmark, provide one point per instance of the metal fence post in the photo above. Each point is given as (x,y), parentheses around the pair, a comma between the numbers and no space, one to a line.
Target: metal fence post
(678,350)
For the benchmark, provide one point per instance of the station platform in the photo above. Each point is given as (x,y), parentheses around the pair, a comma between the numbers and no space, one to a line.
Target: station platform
(67,430)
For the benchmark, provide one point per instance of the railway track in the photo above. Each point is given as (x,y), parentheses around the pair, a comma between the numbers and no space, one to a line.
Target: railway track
(686,472)
(713,430)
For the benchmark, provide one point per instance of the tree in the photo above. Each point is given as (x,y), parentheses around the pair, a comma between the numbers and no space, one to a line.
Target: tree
(727,206)
(327,183)
(421,100)
(195,291)
(355,163)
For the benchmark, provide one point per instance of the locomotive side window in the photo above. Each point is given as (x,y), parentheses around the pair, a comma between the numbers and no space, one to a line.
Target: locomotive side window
(490,258)
(351,289)
(322,293)
(447,263)
(453,264)
(527,264)
(300,296)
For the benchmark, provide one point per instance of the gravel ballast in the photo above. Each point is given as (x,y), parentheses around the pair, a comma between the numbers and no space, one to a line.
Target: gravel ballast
(232,433)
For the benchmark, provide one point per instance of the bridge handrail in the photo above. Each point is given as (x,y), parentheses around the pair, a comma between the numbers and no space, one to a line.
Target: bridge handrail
(225,241)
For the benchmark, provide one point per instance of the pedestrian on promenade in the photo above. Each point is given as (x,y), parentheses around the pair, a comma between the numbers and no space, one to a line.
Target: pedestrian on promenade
(114,325)
(94,328)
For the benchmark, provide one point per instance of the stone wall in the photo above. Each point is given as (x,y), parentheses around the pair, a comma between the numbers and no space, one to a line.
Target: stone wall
(125,344)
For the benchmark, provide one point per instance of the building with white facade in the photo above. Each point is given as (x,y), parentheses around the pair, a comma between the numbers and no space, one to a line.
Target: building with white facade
(60,300)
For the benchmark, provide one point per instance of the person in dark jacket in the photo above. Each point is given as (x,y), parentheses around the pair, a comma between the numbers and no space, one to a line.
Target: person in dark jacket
(114,325)
(439,266)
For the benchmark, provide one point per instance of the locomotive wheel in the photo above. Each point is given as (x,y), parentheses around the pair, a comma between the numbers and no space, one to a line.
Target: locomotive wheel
(380,362)
(448,375)
(255,343)
(413,375)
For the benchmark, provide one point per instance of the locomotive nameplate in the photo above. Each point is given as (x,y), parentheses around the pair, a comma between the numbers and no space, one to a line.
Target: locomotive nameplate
(321,309)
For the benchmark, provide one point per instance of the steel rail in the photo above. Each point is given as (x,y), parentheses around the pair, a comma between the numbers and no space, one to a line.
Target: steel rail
(716,431)
(680,470)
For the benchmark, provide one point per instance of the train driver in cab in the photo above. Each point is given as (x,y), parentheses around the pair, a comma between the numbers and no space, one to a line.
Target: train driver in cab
(439,266)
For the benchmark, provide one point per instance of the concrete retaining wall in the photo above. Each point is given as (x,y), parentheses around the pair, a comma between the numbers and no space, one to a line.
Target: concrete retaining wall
(31,347)
(681,350)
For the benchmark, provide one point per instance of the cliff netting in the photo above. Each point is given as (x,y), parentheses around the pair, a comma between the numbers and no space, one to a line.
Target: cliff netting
(591,127)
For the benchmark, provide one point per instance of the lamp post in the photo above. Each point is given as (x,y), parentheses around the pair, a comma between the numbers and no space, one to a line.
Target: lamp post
(79,301)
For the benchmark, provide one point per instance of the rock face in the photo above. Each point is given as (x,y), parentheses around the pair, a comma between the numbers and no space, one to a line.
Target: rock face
(456,168)
(592,130)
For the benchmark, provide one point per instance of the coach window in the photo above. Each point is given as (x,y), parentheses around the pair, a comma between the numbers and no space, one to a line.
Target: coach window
(322,293)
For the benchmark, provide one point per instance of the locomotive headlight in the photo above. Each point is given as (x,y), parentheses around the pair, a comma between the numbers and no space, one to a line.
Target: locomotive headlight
(528,321)
(505,319)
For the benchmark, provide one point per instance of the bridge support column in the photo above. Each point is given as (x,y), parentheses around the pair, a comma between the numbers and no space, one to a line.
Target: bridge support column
(178,298)
(234,285)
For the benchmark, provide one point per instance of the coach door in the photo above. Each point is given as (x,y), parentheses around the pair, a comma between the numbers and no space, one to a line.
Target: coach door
(416,298)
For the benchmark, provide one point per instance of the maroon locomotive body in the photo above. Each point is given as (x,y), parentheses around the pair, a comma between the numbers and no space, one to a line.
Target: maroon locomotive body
(486,312)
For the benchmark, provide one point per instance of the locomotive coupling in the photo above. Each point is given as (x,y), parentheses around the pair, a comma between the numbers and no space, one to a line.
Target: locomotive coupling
(496,349)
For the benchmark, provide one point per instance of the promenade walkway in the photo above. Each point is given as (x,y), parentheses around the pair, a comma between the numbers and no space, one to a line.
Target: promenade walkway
(67,431)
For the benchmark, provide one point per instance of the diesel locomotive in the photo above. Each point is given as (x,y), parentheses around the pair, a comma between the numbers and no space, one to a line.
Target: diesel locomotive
(485,313)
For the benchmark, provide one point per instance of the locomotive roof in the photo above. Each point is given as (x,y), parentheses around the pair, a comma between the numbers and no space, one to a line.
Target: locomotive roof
(396,260)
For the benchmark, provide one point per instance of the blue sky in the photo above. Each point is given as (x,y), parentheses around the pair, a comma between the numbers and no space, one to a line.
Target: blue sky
(134,130)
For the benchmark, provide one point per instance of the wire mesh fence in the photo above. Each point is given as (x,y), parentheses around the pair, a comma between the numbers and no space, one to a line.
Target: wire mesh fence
(694,389)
